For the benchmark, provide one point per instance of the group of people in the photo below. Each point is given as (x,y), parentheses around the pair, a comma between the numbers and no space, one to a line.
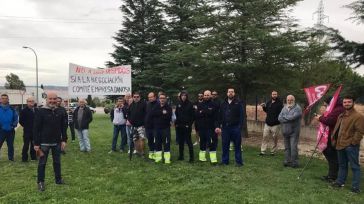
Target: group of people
(138,121)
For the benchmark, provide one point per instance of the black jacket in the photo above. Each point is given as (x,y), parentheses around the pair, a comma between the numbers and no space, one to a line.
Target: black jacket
(49,127)
(207,115)
(136,114)
(273,110)
(185,114)
(231,115)
(86,118)
(26,119)
(162,116)
(148,121)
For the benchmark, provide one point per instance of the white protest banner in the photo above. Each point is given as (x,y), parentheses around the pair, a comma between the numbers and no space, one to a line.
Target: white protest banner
(87,81)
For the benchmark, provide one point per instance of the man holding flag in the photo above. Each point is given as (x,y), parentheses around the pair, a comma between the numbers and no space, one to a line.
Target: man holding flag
(329,119)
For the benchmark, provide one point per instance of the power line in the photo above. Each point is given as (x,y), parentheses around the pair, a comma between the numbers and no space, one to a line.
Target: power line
(44,37)
(56,20)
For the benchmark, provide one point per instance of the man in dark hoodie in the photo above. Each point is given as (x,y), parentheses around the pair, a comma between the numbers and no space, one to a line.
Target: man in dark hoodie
(49,134)
(206,117)
(161,116)
(184,119)
(330,152)
(231,118)
(272,125)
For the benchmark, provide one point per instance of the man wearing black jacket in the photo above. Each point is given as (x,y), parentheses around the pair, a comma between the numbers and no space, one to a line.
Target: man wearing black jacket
(82,118)
(162,115)
(184,119)
(148,124)
(271,127)
(136,117)
(231,118)
(206,116)
(26,119)
(49,134)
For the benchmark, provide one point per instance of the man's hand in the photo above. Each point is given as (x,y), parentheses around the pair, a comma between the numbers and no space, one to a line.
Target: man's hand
(63,146)
(217,130)
(36,148)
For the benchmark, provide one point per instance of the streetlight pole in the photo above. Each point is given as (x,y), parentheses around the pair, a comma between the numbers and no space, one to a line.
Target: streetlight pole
(36,70)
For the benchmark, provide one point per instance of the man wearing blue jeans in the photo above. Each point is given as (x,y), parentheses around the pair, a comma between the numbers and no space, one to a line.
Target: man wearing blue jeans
(8,122)
(82,117)
(118,118)
(231,117)
(348,132)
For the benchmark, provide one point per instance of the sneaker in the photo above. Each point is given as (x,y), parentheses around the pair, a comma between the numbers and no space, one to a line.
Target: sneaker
(111,151)
(41,186)
(286,164)
(241,148)
(262,154)
(238,165)
(60,182)
(121,151)
(272,154)
(134,152)
(355,190)
(337,185)
(196,143)
(129,151)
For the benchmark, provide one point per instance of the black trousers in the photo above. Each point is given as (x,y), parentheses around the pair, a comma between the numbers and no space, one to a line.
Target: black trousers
(330,154)
(28,146)
(71,125)
(184,135)
(208,139)
(56,156)
(163,139)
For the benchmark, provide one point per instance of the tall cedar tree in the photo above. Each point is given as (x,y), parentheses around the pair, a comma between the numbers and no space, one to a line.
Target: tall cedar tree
(140,42)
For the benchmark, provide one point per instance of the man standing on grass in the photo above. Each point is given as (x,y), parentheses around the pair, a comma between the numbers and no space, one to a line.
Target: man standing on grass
(83,117)
(161,116)
(26,119)
(118,118)
(195,105)
(148,123)
(348,132)
(49,134)
(206,117)
(272,124)
(8,123)
(136,117)
(231,118)
(290,117)
(184,120)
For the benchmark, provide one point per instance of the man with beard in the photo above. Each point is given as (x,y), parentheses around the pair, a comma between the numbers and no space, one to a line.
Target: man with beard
(49,134)
(290,117)
(26,119)
(184,120)
(347,134)
(161,117)
(206,117)
(272,124)
(231,118)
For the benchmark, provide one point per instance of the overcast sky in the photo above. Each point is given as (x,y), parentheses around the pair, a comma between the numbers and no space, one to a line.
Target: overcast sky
(80,32)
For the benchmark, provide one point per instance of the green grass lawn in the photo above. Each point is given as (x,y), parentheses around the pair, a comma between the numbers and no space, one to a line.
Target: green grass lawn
(99,177)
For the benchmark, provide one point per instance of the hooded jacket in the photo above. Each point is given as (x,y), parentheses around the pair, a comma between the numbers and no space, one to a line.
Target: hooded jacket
(185,114)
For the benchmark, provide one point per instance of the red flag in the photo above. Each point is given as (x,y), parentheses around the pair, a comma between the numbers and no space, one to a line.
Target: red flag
(323,130)
(315,93)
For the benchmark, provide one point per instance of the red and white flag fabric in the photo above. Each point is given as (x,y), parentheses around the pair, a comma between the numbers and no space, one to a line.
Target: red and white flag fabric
(315,93)
(323,130)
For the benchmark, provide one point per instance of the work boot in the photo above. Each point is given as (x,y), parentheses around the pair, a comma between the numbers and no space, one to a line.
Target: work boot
(167,157)
(151,155)
(213,157)
(158,157)
(202,156)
